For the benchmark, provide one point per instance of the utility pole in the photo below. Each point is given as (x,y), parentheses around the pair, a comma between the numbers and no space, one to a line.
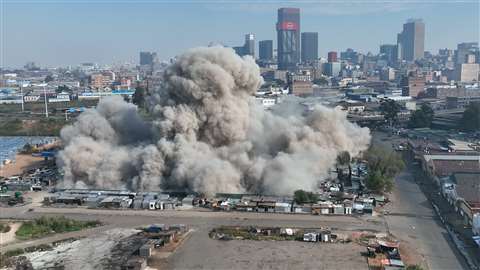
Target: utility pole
(45,97)
(21,93)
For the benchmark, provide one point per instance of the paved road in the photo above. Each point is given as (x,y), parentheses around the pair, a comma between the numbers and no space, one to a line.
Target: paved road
(413,220)
(423,230)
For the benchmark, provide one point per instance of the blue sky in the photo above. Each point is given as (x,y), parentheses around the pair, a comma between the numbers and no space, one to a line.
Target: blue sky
(63,32)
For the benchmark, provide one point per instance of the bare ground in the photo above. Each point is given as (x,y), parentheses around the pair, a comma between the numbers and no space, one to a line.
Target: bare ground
(201,252)
(21,164)
(9,236)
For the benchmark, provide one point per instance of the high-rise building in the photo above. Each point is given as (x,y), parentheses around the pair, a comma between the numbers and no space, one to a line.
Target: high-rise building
(265,50)
(351,56)
(348,55)
(332,57)
(387,74)
(309,46)
(249,47)
(146,58)
(240,50)
(411,40)
(467,72)
(390,53)
(288,38)
(333,69)
(464,49)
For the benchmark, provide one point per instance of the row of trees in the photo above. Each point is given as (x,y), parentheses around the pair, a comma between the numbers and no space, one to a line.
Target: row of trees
(423,117)
(419,118)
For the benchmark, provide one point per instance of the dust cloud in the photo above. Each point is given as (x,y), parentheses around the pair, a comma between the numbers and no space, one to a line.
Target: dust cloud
(207,135)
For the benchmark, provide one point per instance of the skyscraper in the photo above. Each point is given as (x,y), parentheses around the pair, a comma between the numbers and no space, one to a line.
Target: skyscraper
(249,47)
(265,50)
(463,49)
(411,40)
(288,38)
(309,46)
(332,57)
(390,53)
(146,58)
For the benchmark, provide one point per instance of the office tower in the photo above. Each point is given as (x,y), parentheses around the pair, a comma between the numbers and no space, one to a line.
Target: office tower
(240,50)
(464,49)
(333,69)
(467,72)
(411,40)
(249,47)
(146,58)
(387,74)
(332,57)
(348,55)
(309,46)
(265,50)
(288,38)
(389,52)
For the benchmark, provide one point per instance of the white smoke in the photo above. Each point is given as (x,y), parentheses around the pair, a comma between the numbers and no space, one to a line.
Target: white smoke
(208,135)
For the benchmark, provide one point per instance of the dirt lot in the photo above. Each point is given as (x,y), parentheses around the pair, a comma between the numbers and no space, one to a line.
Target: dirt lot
(22,163)
(201,252)
(9,236)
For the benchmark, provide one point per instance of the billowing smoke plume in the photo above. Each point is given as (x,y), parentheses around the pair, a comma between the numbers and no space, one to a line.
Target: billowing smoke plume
(207,135)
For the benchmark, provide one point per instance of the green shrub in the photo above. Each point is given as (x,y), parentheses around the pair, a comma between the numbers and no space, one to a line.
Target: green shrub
(48,225)
(4,228)
(14,252)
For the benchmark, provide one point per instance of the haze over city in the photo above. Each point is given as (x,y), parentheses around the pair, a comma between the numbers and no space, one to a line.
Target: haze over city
(214,134)
(60,33)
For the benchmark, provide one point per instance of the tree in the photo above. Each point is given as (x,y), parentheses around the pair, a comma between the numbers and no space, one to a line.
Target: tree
(138,97)
(28,149)
(302,196)
(375,181)
(390,110)
(383,165)
(62,88)
(48,78)
(470,120)
(414,267)
(344,159)
(422,118)
(279,82)
(320,81)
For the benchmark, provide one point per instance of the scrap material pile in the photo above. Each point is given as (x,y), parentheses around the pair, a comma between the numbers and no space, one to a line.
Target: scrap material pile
(86,253)
(278,234)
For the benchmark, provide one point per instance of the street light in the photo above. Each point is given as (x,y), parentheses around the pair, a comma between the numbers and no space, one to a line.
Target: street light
(45,97)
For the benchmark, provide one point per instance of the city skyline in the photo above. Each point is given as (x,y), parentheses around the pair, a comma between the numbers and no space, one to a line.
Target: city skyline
(105,38)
